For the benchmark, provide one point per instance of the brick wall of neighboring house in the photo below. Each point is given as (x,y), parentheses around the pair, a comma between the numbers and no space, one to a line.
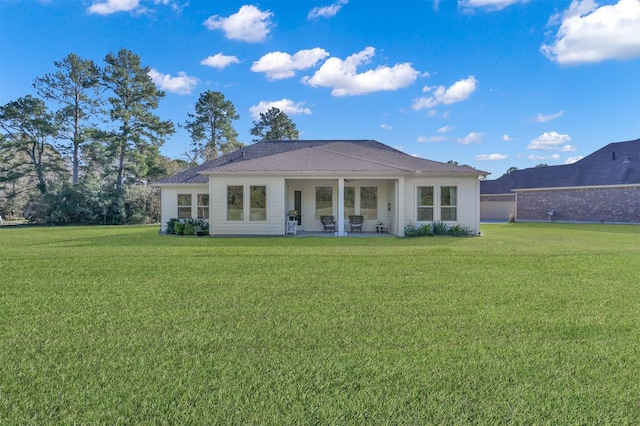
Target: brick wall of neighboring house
(612,204)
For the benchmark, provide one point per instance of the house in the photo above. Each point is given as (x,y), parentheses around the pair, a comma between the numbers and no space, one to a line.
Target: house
(602,187)
(251,190)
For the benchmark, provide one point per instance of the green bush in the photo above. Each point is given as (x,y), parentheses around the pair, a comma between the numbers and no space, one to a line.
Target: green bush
(460,231)
(171,225)
(179,228)
(439,228)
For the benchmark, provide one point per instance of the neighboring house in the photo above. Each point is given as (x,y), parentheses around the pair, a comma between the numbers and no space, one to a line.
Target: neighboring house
(250,191)
(602,187)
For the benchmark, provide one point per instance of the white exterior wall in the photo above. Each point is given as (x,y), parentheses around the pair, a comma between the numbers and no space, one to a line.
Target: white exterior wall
(169,201)
(218,223)
(468,209)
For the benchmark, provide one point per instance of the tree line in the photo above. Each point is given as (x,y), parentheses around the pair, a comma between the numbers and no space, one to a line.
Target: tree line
(83,149)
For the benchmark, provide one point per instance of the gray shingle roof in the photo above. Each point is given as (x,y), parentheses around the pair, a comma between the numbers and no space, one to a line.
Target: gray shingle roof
(615,164)
(322,156)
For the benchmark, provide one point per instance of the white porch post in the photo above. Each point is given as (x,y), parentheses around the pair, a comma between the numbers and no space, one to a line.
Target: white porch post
(340,223)
(400,201)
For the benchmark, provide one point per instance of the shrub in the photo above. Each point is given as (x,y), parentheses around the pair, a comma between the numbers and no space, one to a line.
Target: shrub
(460,231)
(171,225)
(179,228)
(439,228)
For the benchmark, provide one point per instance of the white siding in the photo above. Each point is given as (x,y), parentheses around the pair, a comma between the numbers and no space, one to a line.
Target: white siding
(169,200)
(468,209)
(275,223)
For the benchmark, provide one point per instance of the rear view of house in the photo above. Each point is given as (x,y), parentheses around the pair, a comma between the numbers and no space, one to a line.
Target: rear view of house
(251,191)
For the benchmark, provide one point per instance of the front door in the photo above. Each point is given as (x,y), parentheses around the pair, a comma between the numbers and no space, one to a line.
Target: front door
(297,204)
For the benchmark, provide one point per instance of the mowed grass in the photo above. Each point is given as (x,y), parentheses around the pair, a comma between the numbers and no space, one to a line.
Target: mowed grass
(529,324)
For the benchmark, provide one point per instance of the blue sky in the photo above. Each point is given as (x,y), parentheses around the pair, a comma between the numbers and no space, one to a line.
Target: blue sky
(489,83)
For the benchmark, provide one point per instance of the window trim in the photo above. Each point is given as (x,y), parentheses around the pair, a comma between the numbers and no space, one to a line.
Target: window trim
(184,206)
(432,206)
(453,207)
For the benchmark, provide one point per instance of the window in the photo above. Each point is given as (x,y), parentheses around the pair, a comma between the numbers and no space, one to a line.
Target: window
(184,206)
(425,204)
(324,201)
(203,206)
(349,201)
(258,203)
(235,203)
(449,203)
(369,202)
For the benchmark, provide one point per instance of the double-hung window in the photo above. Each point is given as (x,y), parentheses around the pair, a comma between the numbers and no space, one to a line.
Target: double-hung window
(203,206)
(448,203)
(425,204)
(184,206)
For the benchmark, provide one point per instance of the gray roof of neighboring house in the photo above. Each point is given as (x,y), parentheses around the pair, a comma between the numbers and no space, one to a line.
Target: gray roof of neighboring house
(322,156)
(615,164)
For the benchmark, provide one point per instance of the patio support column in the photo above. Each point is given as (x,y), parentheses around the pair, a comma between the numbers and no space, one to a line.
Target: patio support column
(340,222)
(400,204)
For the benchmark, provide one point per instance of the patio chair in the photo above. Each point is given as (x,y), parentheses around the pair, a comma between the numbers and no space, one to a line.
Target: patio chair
(328,223)
(356,222)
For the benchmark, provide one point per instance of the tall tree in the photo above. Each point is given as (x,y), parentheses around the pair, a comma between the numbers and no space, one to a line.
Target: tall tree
(75,88)
(210,127)
(30,132)
(133,97)
(274,125)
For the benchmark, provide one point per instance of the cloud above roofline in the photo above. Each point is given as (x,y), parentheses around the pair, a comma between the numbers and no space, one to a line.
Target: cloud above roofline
(285,105)
(220,61)
(342,77)
(281,65)
(457,92)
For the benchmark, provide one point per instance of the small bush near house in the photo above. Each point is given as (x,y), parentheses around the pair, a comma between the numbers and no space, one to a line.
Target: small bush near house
(187,226)
(460,231)
(439,228)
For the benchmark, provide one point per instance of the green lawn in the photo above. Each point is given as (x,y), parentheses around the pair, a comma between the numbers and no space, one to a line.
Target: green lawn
(529,324)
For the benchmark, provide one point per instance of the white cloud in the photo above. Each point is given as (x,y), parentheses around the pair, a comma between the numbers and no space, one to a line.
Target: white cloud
(327,11)
(507,138)
(220,61)
(280,65)
(487,4)
(287,106)
(572,160)
(107,7)
(342,77)
(445,129)
(589,33)
(249,24)
(568,148)
(491,157)
(549,141)
(472,137)
(540,118)
(112,6)
(431,139)
(386,127)
(181,85)
(536,157)
(457,92)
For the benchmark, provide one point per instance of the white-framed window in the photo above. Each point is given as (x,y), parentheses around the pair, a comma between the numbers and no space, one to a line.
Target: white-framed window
(258,203)
(324,201)
(203,206)
(184,206)
(369,202)
(247,202)
(448,203)
(235,202)
(425,204)
(349,201)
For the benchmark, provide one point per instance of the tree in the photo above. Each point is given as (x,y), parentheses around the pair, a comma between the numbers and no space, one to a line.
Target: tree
(133,97)
(274,125)
(74,87)
(30,137)
(210,127)
(511,169)
(542,165)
